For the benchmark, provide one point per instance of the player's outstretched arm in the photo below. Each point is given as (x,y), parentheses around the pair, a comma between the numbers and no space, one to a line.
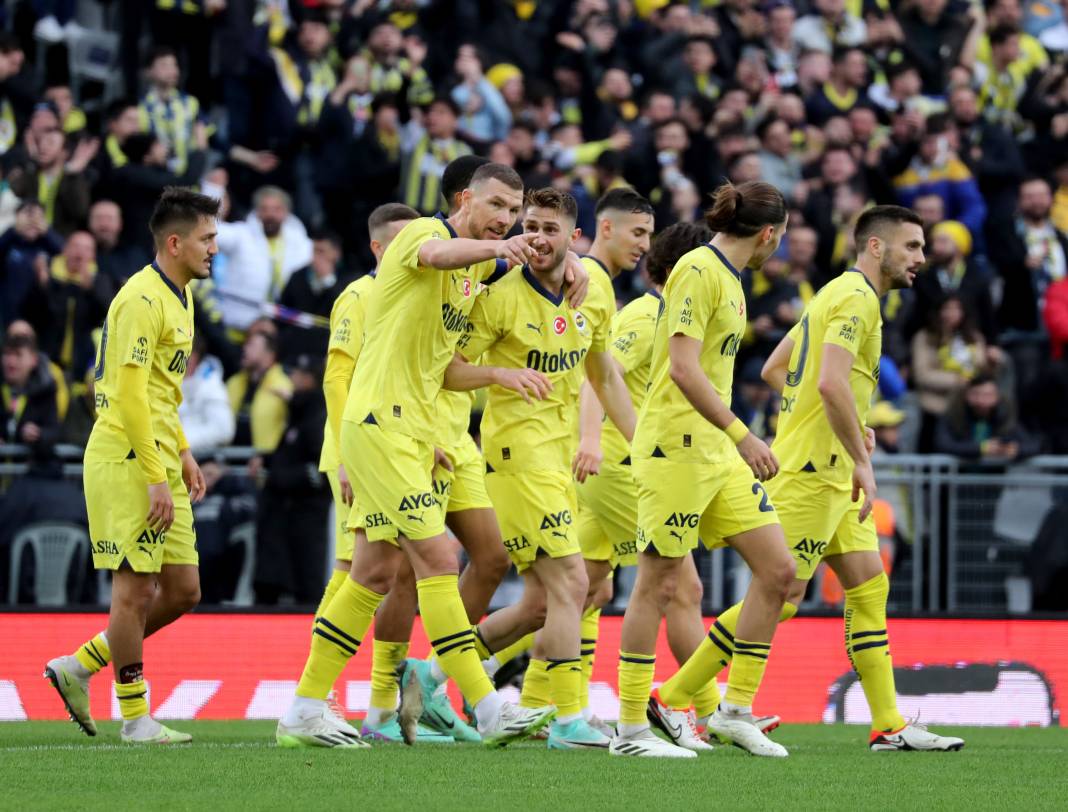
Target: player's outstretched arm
(604,375)
(774,371)
(587,461)
(686,372)
(841,411)
(448,255)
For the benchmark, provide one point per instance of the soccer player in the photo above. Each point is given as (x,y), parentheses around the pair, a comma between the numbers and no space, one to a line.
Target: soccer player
(827,368)
(525,320)
(139,475)
(699,473)
(426,285)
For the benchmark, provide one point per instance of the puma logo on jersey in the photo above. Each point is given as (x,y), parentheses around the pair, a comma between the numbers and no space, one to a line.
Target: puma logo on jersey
(551,520)
(676,534)
(416,518)
(696,268)
(535,327)
(146,298)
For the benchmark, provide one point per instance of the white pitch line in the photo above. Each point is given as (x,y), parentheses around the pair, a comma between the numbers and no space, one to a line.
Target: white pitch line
(127,747)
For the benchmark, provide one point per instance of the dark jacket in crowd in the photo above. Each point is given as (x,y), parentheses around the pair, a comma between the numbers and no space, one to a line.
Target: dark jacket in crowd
(300,293)
(38,408)
(64,315)
(72,198)
(973,287)
(137,188)
(17,272)
(1008,253)
(961,432)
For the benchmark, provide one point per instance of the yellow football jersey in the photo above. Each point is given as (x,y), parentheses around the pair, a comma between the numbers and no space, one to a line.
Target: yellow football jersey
(631,338)
(517,323)
(346,336)
(703,299)
(846,313)
(149,324)
(413,322)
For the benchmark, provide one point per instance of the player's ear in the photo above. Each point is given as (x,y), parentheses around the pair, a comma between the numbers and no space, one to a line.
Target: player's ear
(172,244)
(576,234)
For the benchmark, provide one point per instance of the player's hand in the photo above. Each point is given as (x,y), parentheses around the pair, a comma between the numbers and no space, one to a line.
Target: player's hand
(441,459)
(160,507)
(758,457)
(526,382)
(864,480)
(576,279)
(516,250)
(346,486)
(193,477)
(587,461)
(869,439)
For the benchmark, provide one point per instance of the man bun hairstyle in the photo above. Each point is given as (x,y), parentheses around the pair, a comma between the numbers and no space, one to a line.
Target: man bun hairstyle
(550,198)
(670,244)
(179,210)
(743,210)
(875,221)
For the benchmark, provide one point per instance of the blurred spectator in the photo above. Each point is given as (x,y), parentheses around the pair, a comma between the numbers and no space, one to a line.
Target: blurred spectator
(15,97)
(937,169)
(1004,79)
(205,412)
(801,244)
(25,249)
(885,420)
(843,91)
(935,34)
(71,119)
(295,503)
(945,356)
(312,290)
(426,153)
(782,48)
(55,176)
(1046,109)
(951,268)
(228,503)
(122,120)
(779,164)
(396,64)
(774,305)
(980,424)
(115,261)
(281,242)
(259,394)
(485,116)
(831,26)
(28,406)
(173,116)
(68,302)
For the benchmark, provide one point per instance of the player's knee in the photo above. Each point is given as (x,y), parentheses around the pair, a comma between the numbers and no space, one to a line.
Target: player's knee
(665,590)
(797,592)
(601,593)
(492,564)
(689,591)
(134,596)
(781,577)
(187,598)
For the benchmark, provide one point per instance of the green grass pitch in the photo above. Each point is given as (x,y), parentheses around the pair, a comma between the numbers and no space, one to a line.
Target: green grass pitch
(235,765)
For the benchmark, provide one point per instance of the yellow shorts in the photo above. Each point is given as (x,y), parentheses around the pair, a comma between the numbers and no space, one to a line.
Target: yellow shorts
(116,498)
(608,516)
(820,518)
(680,503)
(463,488)
(391,480)
(344,532)
(536,511)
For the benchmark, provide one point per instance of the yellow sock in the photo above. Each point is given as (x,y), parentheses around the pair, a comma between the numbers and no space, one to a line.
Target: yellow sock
(591,625)
(385,657)
(133,699)
(336,637)
(868,648)
(94,654)
(451,636)
(509,653)
(747,670)
(706,700)
(635,685)
(712,656)
(480,645)
(337,578)
(537,691)
(565,682)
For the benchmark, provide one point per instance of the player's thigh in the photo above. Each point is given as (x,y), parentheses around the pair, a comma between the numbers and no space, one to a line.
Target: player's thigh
(116,500)
(608,517)
(391,479)
(740,505)
(536,511)
(672,497)
(809,511)
(463,488)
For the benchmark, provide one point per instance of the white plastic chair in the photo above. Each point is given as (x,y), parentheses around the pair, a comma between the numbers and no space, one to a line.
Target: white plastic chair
(245,534)
(94,56)
(57,547)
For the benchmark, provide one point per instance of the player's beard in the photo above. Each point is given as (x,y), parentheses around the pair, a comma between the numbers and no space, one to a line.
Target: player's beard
(889,269)
(553,261)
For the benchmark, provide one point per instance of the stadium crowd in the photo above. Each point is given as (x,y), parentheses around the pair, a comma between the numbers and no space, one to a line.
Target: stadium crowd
(302,116)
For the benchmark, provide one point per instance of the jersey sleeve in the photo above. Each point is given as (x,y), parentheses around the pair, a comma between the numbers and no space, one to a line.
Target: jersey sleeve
(346,326)
(484,325)
(406,245)
(632,338)
(138,324)
(692,301)
(850,320)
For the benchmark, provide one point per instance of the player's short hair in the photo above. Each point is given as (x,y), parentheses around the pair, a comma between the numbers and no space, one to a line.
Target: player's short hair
(499,172)
(876,220)
(548,197)
(389,213)
(179,210)
(744,210)
(623,199)
(457,176)
(670,244)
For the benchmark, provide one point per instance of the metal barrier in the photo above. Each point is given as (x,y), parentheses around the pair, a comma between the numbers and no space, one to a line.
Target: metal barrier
(962,530)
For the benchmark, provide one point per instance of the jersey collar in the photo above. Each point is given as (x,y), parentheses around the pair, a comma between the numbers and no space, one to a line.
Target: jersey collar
(452,231)
(724,260)
(870,285)
(654,293)
(534,283)
(170,284)
(603,268)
